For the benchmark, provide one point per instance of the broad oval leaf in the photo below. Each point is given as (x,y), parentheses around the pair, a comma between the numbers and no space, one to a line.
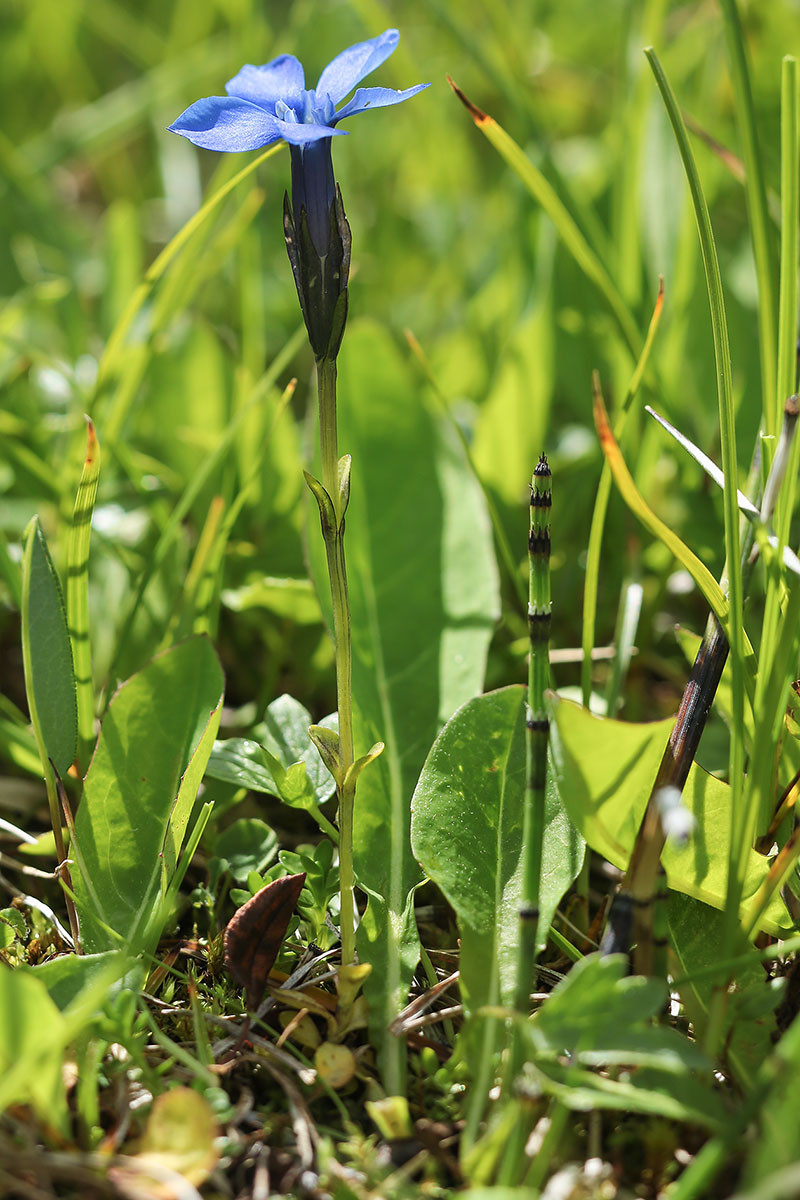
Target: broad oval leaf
(466,832)
(424,601)
(605,770)
(152,750)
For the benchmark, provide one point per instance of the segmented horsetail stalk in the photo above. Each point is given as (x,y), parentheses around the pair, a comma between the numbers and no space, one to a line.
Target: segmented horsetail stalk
(78,594)
(537,724)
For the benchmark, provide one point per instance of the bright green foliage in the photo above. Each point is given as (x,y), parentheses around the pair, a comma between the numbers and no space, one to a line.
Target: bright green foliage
(521,263)
(153,749)
(36,1029)
(66,977)
(605,770)
(320,888)
(599,1017)
(283,762)
(30,1063)
(50,679)
(776,1147)
(423,598)
(244,846)
(695,933)
(467,834)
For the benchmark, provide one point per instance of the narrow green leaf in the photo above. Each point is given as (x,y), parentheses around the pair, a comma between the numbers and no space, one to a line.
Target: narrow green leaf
(568,229)
(595,544)
(741,821)
(117,340)
(696,935)
(47,655)
(717,601)
(758,214)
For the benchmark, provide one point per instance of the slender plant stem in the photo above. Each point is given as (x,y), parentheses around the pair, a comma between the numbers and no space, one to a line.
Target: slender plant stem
(537,728)
(758,212)
(722,357)
(790,216)
(595,546)
(337,572)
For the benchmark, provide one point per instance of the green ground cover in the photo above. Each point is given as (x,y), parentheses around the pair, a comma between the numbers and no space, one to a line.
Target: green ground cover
(501,255)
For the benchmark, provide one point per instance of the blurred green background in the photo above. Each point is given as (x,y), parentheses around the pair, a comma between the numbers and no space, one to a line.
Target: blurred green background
(446,242)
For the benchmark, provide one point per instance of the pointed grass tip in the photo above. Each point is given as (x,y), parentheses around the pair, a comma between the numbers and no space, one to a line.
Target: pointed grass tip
(477,114)
(601,421)
(92,444)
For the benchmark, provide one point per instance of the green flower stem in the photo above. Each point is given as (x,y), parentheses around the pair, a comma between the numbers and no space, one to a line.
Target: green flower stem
(337,572)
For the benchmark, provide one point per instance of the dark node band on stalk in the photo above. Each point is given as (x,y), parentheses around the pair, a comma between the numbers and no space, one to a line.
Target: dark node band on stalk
(528,912)
(539,627)
(541,499)
(539,542)
(619,926)
(538,724)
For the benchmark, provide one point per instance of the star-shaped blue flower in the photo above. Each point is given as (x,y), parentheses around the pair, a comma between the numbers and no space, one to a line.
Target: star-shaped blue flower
(271,103)
(265,104)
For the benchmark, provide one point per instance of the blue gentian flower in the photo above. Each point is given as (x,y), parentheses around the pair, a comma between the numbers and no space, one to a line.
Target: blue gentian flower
(270,103)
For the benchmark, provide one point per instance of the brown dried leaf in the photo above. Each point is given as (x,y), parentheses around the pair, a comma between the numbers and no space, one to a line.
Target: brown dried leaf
(254,934)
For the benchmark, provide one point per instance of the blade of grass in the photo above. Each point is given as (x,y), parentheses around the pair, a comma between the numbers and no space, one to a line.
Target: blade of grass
(790,217)
(595,546)
(197,483)
(717,601)
(570,233)
(787,339)
(157,268)
(735,630)
(758,212)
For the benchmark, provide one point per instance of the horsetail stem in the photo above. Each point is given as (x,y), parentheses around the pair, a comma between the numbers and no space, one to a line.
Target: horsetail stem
(537,724)
(537,731)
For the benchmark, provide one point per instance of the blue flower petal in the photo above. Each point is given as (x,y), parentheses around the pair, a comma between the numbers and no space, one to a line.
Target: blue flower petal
(281,79)
(227,123)
(300,133)
(376,97)
(354,64)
